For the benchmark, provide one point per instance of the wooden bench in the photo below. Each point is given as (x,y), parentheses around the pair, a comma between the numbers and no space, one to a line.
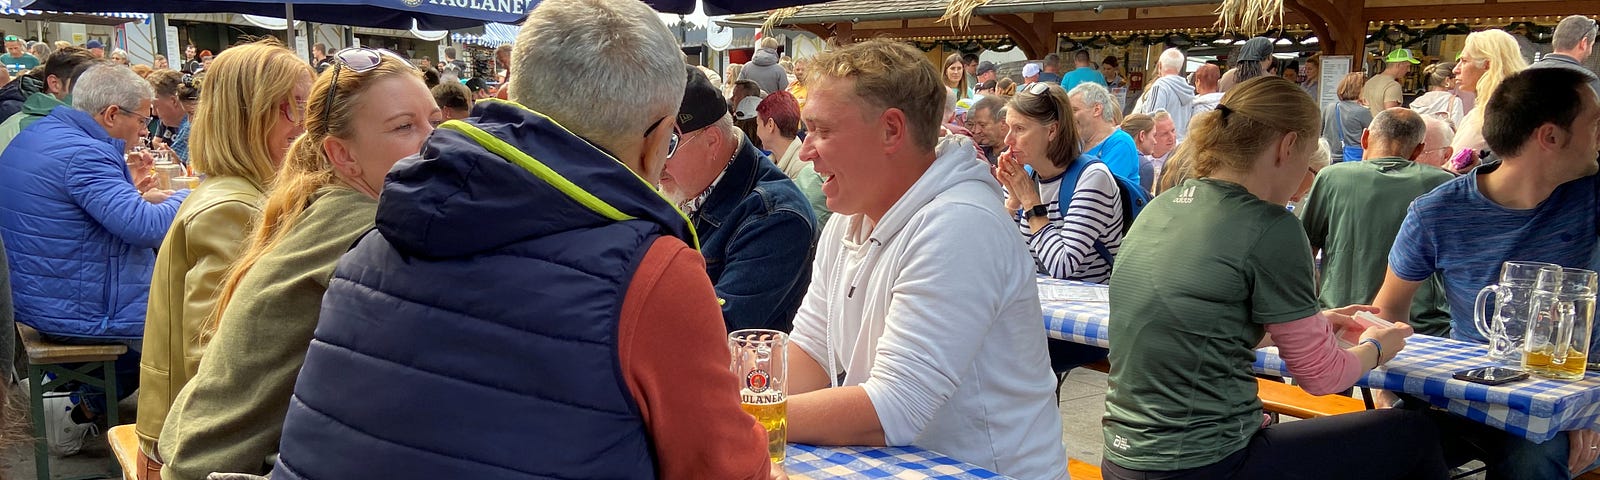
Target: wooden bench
(1286,399)
(125,447)
(1082,471)
(1591,475)
(66,363)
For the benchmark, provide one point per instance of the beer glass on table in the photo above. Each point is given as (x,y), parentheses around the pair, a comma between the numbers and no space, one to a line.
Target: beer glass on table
(1508,324)
(1560,319)
(762,365)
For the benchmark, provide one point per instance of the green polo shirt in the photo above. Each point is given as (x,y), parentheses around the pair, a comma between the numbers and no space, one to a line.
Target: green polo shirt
(1352,214)
(1201,273)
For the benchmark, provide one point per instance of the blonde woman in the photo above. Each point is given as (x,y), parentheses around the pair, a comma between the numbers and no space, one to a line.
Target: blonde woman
(365,113)
(1486,60)
(258,92)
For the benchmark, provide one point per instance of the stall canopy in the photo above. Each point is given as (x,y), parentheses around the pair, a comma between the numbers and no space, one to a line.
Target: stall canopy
(494,35)
(395,14)
(8,10)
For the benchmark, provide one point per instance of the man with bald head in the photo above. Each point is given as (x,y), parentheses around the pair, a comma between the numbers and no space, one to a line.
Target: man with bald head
(1354,211)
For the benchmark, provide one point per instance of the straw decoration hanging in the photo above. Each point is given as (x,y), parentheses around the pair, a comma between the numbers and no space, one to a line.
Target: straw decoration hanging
(959,13)
(1249,16)
(777,17)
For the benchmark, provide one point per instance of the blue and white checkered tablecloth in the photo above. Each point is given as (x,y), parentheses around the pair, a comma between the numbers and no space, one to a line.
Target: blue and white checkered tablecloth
(1536,409)
(813,462)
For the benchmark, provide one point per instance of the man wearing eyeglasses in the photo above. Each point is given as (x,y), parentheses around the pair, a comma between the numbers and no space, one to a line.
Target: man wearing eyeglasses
(80,236)
(1570,46)
(15,59)
(1436,145)
(756,227)
(1354,211)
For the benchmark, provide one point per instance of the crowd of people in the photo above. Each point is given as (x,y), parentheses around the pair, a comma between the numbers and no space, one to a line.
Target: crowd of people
(384,273)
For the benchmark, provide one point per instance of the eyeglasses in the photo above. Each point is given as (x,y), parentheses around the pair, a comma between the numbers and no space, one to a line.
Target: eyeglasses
(672,142)
(13,38)
(358,60)
(1038,88)
(129,112)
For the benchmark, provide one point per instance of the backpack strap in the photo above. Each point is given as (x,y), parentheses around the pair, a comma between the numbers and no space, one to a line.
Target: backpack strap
(1073,174)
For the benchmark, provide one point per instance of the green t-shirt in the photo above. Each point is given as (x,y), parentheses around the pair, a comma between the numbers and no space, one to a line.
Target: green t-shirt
(18,64)
(1352,214)
(1201,273)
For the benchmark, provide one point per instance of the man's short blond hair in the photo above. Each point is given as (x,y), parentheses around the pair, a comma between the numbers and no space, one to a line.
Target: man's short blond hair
(888,74)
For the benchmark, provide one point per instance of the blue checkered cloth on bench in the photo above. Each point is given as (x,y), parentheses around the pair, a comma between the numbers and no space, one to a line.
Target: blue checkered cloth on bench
(807,461)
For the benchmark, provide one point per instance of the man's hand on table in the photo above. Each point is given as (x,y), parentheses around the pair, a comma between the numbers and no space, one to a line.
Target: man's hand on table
(1583,447)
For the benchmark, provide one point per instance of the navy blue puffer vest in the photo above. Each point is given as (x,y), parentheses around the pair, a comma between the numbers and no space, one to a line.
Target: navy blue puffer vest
(474,335)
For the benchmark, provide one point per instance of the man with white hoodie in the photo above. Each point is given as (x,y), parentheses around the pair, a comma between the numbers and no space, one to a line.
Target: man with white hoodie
(763,67)
(922,323)
(1170,92)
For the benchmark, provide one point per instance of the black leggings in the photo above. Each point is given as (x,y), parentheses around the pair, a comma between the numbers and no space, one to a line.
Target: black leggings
(1370,445)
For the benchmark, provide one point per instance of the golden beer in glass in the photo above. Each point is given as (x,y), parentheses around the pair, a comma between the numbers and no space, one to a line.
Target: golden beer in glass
(760,362)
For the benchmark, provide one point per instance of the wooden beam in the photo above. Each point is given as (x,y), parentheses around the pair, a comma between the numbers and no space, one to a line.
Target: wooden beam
(1509,9)
(1020,32)
(1157,24)
(935,32)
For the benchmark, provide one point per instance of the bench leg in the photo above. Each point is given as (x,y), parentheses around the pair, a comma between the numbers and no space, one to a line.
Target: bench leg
(41,453)
(109,369)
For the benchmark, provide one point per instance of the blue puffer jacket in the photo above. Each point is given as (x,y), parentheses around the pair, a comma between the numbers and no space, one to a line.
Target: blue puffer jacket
(474,336)
(80,239)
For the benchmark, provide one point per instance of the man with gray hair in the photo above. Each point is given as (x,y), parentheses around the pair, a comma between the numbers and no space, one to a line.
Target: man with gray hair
(74,223)
(755,226)
(987,122)
(1436,144)
(540,287)
(1170,92)
(1098,118)
(1355,209)
(1570,46)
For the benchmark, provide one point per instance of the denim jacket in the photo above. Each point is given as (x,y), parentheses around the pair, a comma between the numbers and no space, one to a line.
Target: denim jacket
(757,234)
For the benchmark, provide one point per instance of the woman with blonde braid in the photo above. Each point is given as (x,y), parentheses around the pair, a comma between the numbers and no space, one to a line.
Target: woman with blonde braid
(1187,316)
(366,113)
(242,133)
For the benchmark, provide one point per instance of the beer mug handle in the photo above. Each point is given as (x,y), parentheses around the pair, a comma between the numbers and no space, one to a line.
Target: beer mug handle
(1483,322)
(1565,316)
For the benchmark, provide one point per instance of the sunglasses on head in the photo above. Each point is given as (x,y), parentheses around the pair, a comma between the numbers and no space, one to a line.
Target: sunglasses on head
(1038,88)
(13,38)
(359,60)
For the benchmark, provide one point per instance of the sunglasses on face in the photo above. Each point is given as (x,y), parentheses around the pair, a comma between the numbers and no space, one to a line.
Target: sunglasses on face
(358,60)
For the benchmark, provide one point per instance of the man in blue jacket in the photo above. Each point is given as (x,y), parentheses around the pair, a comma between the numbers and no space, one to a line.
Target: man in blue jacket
(80,236)
(755,225)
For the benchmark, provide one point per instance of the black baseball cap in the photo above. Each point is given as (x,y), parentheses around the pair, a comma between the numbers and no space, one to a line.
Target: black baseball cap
(702,105)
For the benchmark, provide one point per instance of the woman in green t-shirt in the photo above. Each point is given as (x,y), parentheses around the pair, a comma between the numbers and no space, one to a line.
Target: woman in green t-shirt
(1213,266)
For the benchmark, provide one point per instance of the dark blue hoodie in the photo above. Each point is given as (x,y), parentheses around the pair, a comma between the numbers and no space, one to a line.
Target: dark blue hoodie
(475,334)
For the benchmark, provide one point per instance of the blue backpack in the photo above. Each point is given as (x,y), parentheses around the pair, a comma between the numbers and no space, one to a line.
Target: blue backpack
(1133,197)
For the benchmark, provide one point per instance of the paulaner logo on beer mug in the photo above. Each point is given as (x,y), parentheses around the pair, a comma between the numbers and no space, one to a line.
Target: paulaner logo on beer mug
(760,362)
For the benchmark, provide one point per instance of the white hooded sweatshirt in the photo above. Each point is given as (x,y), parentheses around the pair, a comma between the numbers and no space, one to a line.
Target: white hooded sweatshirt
(934,311)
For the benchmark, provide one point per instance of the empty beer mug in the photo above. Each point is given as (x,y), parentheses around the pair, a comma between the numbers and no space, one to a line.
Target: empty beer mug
(1561,317)
(1508,325)
(761,362)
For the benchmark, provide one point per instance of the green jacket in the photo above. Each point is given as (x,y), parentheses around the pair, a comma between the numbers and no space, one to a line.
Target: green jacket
(230,416)
(36,107)
(204,241)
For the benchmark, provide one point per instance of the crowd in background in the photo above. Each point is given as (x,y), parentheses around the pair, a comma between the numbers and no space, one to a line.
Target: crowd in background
(379,270)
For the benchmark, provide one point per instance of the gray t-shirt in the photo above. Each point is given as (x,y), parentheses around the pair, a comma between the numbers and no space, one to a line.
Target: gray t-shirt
(1556,60)
(1342,124)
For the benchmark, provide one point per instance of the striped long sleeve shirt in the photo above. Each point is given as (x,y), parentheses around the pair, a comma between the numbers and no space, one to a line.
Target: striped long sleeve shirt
(1065,248)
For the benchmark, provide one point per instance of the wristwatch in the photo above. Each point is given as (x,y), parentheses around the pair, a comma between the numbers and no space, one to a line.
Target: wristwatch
(1040,210)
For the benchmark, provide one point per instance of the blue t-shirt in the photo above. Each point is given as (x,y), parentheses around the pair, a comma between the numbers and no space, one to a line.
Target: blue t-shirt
(1458,232)
(1050,77)
(1080,75)
(1120,154)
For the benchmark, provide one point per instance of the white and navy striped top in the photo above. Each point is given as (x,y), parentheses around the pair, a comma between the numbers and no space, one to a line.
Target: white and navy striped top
(1065,248)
